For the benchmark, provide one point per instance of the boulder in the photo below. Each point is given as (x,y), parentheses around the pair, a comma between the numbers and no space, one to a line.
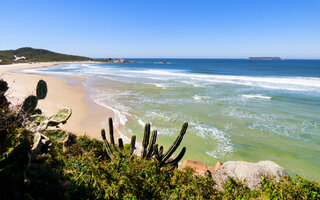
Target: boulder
(215,168)
(251,172)
(199,167)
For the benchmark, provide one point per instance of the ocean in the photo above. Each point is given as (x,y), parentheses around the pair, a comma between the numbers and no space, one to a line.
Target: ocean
(237,109)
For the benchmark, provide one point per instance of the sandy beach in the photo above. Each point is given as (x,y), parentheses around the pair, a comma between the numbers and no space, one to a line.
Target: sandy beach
(87,117)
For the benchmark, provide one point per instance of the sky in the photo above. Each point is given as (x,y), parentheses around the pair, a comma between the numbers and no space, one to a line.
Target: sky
(164,28)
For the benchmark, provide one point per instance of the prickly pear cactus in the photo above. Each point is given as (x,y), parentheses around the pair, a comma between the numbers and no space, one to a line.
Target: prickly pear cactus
(42,89)
(39,121)
(58,135)
(60,117)
(30,104)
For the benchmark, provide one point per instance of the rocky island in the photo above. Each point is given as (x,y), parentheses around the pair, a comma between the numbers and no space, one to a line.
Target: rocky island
(117,60)
(265,58)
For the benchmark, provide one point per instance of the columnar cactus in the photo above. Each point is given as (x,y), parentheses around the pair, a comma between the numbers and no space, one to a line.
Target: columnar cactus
(174,146)
(153,140)
(111,147)
(150,148)
(145,141)
(133,143)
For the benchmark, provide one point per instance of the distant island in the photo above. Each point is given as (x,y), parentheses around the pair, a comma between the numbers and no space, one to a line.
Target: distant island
(30,55)
(265,58)
(117,60)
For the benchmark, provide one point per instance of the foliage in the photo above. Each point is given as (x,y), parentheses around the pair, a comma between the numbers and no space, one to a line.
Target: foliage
(37,55)
(84,171)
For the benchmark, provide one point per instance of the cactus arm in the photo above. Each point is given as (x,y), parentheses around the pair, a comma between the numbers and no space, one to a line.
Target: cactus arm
(120,142)
(133,143)
(107,145)
(160,152)
(153,140)
(156,151)
(177,159)
(175,145)
(42,89)
(111,132)
(145,141)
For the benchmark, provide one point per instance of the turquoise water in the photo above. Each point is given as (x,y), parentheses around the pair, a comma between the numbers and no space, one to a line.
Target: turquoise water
(237,109)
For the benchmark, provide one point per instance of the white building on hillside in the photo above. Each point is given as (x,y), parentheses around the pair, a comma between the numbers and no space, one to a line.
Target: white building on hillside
(18,58)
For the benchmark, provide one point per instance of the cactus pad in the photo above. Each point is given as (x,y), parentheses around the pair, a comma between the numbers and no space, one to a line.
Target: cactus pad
(58,135)
(60,117)
(42,89)
(30,104)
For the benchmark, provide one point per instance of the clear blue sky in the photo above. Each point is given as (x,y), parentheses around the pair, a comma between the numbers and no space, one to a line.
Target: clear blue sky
(164,28)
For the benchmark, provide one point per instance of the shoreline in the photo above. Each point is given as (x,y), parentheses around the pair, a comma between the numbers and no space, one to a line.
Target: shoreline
(88,118)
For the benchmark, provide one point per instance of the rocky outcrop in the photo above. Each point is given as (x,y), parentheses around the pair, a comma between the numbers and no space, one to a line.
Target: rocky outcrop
(199,167)
(116,60)
(251,172)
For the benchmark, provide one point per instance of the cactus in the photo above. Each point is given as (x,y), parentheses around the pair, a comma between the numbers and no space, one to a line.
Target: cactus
(174,146)
(160,151)
(111,147)
(175,161)
(58,135)
(145,141)
(107,145)
(111,132)
(133,143)
(30,104)
(151,144)
(156,151)
(150,148)
(42,89)
(120,143)
(60,117)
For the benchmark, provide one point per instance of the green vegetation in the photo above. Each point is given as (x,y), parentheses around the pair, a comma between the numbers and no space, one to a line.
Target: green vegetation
(81,169)
(37,55)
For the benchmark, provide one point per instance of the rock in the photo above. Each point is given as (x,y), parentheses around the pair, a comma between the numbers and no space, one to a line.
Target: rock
(251,172)
(199,167)
(117,60)
(215,168)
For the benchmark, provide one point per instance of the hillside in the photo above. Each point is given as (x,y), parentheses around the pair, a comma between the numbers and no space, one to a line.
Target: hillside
(36,55)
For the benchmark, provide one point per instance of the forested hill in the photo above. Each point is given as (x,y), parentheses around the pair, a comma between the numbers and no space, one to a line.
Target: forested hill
(36,55)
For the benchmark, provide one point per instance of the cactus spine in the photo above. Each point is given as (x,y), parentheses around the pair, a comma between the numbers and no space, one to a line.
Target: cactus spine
(42,89)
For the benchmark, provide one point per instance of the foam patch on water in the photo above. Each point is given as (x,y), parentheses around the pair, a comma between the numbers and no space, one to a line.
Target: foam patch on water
(256,96)
(224,145)
(198,97)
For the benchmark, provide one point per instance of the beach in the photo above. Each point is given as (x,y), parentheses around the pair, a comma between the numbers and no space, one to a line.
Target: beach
(236,109)
(87,117)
